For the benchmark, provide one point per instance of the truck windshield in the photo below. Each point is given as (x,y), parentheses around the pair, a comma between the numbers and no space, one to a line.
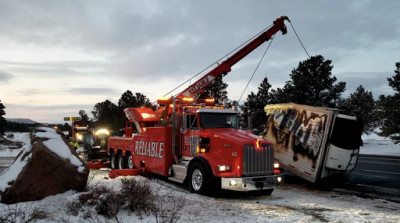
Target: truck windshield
(219,120)
(346,133)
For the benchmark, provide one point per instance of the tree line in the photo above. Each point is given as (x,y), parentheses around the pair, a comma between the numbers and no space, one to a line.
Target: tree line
(106,114)
(311,83)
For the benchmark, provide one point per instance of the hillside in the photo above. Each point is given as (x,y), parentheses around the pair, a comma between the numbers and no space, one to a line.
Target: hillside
(21,120)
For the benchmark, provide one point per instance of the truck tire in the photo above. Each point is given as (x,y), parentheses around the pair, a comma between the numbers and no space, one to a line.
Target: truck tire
(199,179)
(113,161)
(120,161)
(129,161)
(267,192)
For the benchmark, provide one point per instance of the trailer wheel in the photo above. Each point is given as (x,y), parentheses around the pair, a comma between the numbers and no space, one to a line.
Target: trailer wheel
(129,161)
(199,179)
(112,161)
(120,161)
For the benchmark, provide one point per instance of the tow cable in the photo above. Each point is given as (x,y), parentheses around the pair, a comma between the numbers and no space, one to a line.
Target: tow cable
(255,70)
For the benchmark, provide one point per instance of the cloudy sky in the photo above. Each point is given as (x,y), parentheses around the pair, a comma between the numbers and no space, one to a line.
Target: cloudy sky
(58,57)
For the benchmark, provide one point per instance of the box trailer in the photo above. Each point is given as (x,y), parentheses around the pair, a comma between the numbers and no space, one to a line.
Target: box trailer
(313,142)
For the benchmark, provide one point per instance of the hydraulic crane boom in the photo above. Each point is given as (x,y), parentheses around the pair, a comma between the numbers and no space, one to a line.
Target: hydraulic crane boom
(201,85)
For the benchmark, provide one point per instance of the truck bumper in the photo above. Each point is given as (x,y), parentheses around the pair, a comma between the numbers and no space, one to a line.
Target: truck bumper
(252,183)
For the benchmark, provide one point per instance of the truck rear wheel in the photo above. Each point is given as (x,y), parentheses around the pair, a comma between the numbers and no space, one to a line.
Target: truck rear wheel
(120,161)
(199,179)
(112,161)
(129,161)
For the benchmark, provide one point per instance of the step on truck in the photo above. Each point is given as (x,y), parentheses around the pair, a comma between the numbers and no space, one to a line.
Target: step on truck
(313,143)
(192,140)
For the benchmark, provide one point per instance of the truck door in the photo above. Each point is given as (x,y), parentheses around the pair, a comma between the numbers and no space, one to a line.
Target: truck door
(190,133)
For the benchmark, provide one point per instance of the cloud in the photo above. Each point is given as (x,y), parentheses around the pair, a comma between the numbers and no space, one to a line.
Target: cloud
(93,47)
(152,39)
(375,82)
(92,91)
(48,107)
(56,69)
(5,77)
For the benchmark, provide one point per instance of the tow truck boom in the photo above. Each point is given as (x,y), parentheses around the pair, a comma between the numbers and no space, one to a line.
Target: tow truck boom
(222,69)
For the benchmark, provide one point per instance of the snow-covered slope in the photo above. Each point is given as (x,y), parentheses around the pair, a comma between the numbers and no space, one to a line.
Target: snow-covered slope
(21,120)
(377,145)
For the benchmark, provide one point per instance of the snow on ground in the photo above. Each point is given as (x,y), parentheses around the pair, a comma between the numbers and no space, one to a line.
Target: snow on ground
(5,152)
(13,171)
(18,137)
(376,145)
(288,203)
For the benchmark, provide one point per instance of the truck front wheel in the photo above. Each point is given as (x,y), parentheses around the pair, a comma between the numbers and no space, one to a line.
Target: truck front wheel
(267,192)
(199,179)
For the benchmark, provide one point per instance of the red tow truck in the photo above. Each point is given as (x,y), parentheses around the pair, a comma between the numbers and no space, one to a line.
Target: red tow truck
(194,141)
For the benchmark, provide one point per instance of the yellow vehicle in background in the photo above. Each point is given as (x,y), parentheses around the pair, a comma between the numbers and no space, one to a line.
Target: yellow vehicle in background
(96,142)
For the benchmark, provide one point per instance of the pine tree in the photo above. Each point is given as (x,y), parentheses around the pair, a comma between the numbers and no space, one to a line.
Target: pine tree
(217,90)
(311,84)
(361,103)
(389,108)
(2,119)
(278,96)
(247,110)
(254,108)
(128,100)
(84,118)
(106,114)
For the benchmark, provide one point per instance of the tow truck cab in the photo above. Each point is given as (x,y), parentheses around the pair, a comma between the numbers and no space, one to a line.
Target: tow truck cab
(239,158)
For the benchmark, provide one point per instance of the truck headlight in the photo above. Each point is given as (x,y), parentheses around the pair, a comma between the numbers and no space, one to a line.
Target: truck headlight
(276,165)
(224,167)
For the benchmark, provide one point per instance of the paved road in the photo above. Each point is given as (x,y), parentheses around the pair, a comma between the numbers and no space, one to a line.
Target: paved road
(375,176)
(380,171)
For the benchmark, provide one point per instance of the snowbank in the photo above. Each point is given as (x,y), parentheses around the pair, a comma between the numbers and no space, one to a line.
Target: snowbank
(288,203)
(377,145)
(9,152)
(19,163)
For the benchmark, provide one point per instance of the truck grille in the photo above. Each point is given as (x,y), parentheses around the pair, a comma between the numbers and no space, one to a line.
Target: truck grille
(258,160)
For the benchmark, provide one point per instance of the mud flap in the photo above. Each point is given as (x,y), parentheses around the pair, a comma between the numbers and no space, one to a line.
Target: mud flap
(97,165)
(124,172)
